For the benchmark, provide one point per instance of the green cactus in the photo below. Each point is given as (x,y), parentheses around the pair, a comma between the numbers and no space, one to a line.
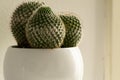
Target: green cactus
(45,29)
(73,30)
(19,20)
(35,25)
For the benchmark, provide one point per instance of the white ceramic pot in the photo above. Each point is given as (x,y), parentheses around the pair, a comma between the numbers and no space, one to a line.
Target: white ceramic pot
(43,64)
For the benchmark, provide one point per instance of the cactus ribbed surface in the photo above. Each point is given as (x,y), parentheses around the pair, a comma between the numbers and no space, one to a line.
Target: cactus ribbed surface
(45,29)
(73,30)
(19,20)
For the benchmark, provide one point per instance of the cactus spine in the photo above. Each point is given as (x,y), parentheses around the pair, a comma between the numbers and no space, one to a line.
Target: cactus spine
(19,20)
(45,29)
(73,30)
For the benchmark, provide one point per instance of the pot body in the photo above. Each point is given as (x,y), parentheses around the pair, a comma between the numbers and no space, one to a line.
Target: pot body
(43,64)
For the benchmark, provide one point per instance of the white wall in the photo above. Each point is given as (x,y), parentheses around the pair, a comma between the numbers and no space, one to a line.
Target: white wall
(92,14)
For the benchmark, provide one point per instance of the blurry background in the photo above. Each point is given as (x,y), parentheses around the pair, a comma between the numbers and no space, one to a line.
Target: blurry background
(95,41)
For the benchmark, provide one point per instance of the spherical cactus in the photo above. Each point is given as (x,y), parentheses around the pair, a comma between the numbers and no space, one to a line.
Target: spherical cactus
(73,30)
(45,29)
(19,20)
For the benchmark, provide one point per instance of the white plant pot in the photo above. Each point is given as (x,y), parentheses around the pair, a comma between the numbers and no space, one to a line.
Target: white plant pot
(43,64)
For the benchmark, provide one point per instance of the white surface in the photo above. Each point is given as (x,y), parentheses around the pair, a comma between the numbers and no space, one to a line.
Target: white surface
(92,14)
(43,64)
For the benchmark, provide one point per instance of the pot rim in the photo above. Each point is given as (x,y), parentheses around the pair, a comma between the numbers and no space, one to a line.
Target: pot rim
(16,47)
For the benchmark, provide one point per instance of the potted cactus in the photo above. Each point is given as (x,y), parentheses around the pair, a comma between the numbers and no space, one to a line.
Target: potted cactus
(47,45)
